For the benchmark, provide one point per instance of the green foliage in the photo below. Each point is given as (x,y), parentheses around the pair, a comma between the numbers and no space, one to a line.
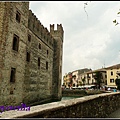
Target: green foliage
(79,83)
(118,87)
(117,82)
(98,78)
(118,13)
(115,21)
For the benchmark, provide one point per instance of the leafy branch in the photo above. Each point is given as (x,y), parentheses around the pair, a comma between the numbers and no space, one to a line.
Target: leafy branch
(85,4)
(115,21)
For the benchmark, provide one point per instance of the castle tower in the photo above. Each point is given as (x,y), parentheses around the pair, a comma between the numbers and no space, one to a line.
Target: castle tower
(57,60)
(13,37)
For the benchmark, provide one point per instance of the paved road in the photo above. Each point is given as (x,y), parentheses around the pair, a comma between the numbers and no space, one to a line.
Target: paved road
(115,114)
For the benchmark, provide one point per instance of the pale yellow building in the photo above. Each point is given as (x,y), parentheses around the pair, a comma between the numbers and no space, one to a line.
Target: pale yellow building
(112,75)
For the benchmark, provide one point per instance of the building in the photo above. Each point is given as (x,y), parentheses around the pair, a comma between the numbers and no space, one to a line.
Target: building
(67,80)
(102,75)
(83,76)
(30,57)
(112,73)
(90,80)
(74,78)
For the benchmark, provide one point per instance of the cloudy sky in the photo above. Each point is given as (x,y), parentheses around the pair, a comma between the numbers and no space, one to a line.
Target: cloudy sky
(91,40)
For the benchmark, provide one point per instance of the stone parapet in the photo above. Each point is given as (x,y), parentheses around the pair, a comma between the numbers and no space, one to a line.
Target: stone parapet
(93,106)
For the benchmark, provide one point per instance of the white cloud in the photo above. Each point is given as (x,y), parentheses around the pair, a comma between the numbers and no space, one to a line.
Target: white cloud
(88,42)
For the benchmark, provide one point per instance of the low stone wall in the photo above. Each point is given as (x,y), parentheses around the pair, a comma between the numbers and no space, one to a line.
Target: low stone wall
(74,93)
(92,106)
(70,93)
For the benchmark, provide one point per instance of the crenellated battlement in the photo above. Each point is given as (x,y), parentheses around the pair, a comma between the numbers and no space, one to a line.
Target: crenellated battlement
(59,28)
(59,32)
(42,32)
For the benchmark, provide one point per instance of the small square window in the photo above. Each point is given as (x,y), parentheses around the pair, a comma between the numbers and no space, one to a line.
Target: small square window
(111,80)
(11,92)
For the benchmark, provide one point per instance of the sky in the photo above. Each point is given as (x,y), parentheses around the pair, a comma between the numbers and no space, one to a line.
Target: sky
(91,39)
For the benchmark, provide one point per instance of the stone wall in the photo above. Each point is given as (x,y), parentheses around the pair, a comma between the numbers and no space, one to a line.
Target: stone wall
(70,93)
(33,83)
(38,79)
(93,106)
(12,93)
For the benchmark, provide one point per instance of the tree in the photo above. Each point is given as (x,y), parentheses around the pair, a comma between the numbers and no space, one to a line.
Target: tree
(98,78)
(117,82)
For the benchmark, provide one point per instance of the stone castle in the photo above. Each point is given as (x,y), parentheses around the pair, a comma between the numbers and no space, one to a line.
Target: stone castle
(30,57)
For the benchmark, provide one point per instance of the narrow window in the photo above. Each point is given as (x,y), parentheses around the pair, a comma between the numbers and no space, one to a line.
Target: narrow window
(39,62)
(18,16)
(29,38)
(46,65)
(28,57)
(47,52)
(15,42)
(12,76)
(39,46)
(105,76)
(111,73)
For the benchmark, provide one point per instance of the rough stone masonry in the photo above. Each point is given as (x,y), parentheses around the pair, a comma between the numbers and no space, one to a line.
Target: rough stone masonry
(30,57)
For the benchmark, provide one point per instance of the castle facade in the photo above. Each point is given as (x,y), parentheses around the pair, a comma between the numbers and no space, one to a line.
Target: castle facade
(30,57)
